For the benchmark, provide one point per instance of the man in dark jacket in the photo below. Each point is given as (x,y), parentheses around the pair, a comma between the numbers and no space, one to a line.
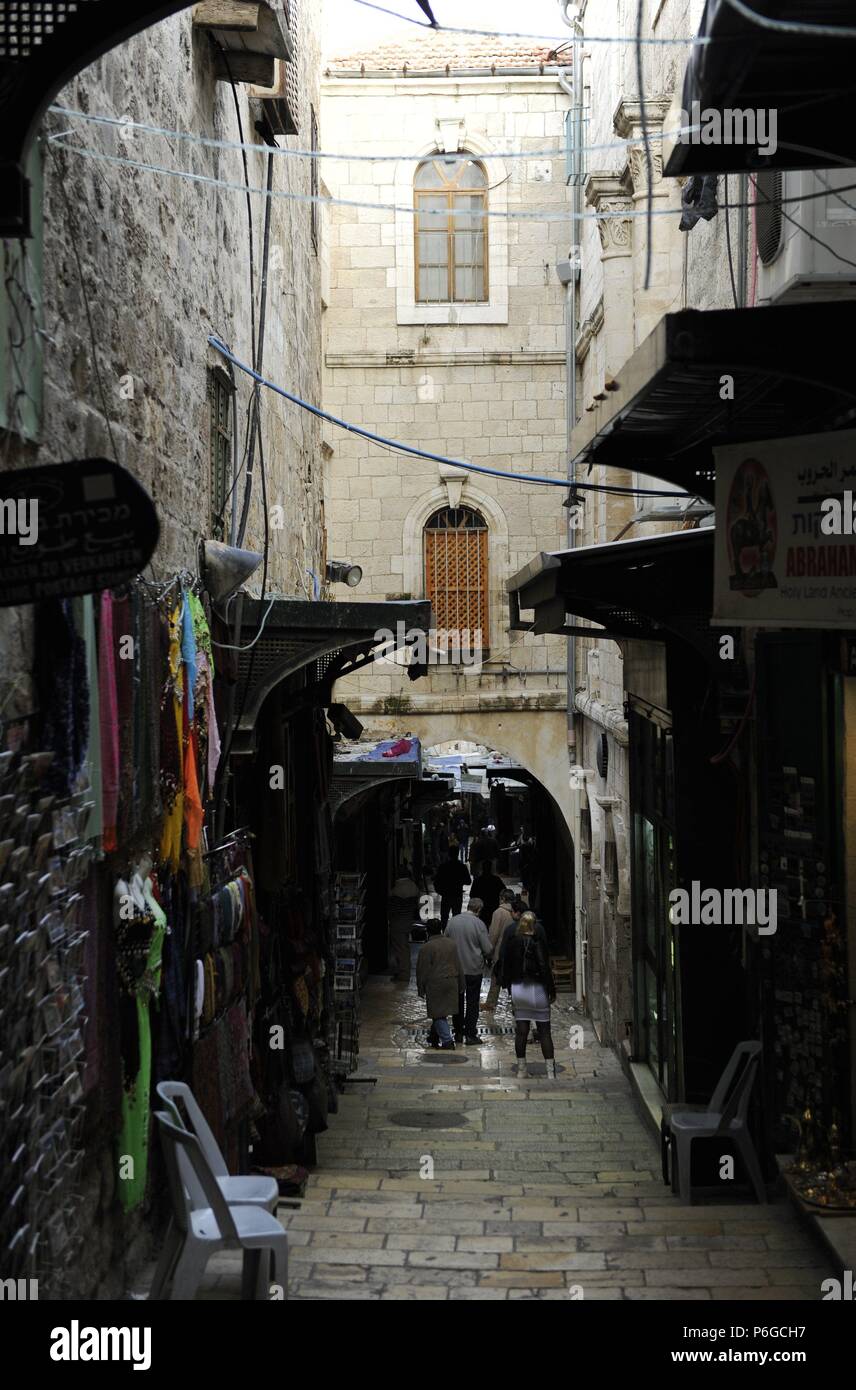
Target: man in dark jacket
(485,851)
(449,882)
(487,887)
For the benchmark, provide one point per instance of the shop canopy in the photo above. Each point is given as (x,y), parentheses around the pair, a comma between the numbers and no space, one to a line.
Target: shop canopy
(653,589)
(804,80)
(705,378)
(362,767)
(324,640)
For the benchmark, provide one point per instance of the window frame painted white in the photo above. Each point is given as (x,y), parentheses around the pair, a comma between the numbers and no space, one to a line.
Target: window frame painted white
(407,307)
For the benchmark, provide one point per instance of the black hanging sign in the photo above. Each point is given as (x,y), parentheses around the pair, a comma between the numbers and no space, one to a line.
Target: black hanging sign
(72,528)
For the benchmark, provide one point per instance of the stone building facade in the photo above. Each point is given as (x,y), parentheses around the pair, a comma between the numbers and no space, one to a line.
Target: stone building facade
(477,381)
(616,314)
(119,366)
(166,261)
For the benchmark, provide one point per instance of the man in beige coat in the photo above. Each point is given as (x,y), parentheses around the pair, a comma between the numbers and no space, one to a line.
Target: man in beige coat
(440,982)
(502,918)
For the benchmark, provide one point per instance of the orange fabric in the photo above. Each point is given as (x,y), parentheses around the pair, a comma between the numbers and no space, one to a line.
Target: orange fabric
(193,813)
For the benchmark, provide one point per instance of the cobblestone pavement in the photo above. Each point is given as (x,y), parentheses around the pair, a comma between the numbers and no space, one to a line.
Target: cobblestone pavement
(540,1189)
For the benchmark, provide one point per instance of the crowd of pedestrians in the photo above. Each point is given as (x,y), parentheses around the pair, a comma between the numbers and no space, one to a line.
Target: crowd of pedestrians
(497,932)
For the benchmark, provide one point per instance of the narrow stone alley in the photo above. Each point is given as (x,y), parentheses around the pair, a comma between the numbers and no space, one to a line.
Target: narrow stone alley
(540,1189)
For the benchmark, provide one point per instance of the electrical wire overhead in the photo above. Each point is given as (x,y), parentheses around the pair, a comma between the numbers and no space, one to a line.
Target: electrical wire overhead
(397,446)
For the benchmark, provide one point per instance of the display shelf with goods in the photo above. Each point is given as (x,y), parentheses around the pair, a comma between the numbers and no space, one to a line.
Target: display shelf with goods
(348,971)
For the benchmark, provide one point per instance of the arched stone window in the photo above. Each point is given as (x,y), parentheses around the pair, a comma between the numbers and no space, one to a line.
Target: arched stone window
(450,250)
(456,578)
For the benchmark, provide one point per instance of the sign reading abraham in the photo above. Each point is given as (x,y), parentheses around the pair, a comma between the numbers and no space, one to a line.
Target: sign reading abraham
(72,528)
(785,549)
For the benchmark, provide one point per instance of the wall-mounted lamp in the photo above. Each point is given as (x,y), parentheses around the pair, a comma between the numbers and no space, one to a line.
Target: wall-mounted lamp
(224,568)
(341,572)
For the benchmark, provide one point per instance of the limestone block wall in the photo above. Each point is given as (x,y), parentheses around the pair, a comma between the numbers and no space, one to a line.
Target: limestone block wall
(165,263)
(481,383)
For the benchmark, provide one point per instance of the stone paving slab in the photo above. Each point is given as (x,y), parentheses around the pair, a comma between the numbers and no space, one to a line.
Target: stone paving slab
(545,1191)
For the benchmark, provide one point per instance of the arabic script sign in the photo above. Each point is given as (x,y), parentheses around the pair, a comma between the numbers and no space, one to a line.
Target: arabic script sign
(780,558)
(72,528)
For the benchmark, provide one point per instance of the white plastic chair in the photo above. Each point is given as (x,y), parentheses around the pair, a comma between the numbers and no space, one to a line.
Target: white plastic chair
(253,1189)
(724,1118)
(202,1230)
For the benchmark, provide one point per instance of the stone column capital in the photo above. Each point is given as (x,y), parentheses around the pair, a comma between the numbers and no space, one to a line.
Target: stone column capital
(606,191)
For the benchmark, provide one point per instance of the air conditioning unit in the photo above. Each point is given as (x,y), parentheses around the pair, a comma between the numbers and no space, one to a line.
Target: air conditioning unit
(804,246)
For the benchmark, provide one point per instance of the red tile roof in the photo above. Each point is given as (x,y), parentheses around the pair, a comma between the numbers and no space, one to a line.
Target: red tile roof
(436,52)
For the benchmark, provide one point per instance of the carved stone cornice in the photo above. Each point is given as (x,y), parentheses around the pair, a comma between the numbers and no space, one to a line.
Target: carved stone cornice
(627,123)
(627,120)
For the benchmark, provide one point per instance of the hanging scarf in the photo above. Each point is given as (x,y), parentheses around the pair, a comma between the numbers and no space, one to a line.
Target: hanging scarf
(188,653)
(59,670)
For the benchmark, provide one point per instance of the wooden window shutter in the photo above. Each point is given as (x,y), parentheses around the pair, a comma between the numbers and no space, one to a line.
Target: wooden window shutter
(456,578)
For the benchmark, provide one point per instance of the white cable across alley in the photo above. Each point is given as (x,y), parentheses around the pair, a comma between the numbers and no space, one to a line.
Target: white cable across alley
(209,142)
(543,215)
(513,34)
(397,446)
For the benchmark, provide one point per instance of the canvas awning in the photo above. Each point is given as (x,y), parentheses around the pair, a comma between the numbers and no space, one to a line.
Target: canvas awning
(805,80)
(655,588)
(704,378)
(362,767)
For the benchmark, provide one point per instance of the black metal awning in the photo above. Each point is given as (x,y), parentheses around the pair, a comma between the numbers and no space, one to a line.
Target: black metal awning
(790,377)
(41,48)
(355,775)
(805,80)
(654,588)
(334,639)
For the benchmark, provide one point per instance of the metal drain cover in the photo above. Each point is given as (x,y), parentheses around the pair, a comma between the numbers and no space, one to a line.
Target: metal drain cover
(444,1059)
(428,1119)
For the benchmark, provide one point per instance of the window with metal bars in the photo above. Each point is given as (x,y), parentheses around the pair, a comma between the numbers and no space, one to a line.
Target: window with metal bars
(456,579)
(450,243)
(220,399)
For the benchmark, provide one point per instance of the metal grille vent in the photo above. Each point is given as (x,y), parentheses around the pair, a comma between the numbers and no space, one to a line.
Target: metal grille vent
(26,24)
(768,214)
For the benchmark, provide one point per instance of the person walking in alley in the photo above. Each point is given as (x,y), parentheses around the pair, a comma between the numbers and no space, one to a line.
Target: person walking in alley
(462,832)
(487,886)
(502,918)
(402,908)
(529,867)
(485,851)
(469,934)
(526,973)
(440,982)
(449,882)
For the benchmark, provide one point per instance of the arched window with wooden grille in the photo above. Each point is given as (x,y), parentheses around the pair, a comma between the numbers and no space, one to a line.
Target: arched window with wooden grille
(456,579)
(450,197)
